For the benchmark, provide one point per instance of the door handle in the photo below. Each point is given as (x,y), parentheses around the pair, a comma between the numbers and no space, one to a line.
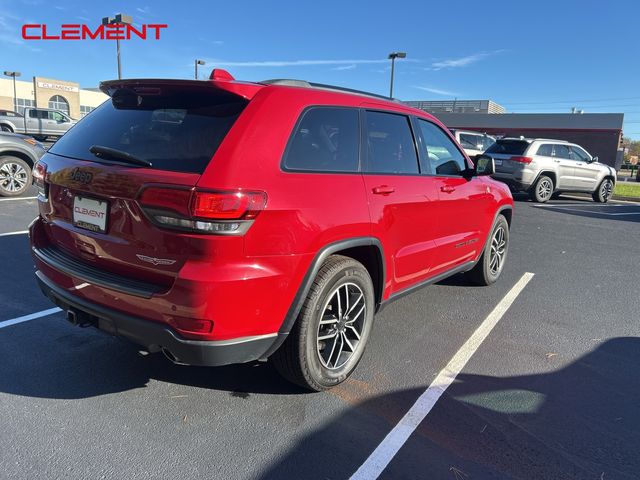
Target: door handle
(383,190)
(557,161)
(447,189)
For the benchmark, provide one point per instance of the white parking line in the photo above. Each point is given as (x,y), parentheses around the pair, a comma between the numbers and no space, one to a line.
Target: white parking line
(384,453)
(31,316)
(16,199)
(21,232)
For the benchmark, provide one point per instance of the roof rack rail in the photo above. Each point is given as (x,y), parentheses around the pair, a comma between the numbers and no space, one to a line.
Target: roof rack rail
(289,82)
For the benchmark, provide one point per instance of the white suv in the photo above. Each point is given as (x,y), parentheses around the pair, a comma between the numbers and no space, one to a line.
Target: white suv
(473,143)
(545,168)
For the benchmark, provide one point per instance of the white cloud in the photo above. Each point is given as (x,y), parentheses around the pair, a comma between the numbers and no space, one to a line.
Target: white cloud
(345,67)
(146,10)
(437,91)
(462,61)
(293,63)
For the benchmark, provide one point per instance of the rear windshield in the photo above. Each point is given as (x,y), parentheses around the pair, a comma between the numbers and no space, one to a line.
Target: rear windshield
(509,147)
(174,129)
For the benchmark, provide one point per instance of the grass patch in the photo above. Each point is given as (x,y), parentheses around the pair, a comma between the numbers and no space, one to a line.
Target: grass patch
(627,189)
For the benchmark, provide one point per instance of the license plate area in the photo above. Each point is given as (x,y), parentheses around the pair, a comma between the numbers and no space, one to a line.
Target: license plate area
(497,161)
(90,214)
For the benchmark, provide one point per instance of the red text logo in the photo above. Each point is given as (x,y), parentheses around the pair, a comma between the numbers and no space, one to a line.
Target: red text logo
(78,31)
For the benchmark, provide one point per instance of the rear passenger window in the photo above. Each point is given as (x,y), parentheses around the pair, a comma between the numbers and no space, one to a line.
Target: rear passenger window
(545,150)
(390,144)
(325,140)
(562,151)
(442,155)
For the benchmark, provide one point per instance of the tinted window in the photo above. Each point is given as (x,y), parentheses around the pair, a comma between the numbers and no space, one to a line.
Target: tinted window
(442,155)
(174,128)
(390,145)
(471,141)
(509,147)
(579,154)
(561,151)
(326,139)
(488,141)
(545,150)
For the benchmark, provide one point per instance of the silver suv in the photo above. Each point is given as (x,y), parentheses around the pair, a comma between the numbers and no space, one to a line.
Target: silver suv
(545,168)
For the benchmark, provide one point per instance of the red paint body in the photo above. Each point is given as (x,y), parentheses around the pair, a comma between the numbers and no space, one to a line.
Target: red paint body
(246,284)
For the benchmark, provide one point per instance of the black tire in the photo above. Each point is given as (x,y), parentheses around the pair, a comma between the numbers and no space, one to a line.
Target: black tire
(6,128)
(15,176)
(302,359)
(604,191)
(483,273)
(542,190)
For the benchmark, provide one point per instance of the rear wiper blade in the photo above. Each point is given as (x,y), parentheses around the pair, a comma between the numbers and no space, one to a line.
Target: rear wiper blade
(101,151)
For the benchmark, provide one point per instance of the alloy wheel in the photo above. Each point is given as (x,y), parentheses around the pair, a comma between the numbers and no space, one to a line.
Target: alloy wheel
(341,325)
(606,189)
(498,250)
(13,177)
(545,189)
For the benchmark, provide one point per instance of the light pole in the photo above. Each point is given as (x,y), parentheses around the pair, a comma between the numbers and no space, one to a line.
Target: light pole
(119,19)
(392,57)
(15,95)
(198,62)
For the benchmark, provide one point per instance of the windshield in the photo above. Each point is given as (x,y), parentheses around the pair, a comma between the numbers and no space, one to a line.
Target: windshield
(177,130)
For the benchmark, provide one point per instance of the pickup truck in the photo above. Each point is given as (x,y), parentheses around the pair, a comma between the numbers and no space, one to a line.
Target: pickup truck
(37,122)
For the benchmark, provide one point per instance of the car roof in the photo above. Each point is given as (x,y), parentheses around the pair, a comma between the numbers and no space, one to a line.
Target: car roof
(223,80)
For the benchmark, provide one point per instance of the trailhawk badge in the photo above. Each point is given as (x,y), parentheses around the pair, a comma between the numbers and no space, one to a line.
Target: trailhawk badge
(155,261)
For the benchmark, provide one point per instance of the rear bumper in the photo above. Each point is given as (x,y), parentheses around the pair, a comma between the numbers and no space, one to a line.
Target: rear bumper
(155,336)
(515,184)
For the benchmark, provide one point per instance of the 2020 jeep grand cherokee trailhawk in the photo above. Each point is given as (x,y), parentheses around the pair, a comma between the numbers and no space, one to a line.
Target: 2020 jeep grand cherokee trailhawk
(223,221)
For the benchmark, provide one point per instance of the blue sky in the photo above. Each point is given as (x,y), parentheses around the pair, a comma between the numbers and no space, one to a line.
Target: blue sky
(528,56)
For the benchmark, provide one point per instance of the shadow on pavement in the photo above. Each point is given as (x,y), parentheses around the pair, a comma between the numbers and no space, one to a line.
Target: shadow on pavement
(580,422)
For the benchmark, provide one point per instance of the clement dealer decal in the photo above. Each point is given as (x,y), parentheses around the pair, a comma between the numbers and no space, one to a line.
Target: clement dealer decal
(78,31)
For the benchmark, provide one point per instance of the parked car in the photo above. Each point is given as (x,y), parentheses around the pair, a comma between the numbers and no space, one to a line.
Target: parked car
(545,167)
(18,154)
(473,143)
(223,222)
(38,122)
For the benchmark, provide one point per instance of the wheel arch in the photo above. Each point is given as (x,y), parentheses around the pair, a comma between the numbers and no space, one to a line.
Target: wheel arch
(18,154)
(366,250)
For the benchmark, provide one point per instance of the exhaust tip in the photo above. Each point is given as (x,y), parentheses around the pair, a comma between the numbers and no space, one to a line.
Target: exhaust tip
(167,353)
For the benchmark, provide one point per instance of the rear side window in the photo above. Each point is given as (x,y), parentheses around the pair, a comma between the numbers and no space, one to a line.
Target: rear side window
(326,139)
(562,151)
(545,150)
(390,144)
(174,128)
(442,155)
(471,141)
(509,147)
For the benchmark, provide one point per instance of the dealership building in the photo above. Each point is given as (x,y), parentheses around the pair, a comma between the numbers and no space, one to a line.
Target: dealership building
(43,92)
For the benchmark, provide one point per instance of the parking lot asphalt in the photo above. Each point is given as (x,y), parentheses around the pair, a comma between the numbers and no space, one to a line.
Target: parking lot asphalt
(552,392)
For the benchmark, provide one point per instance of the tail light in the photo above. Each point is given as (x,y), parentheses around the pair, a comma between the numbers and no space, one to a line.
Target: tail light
(220,212)
(39,176)
(521,159)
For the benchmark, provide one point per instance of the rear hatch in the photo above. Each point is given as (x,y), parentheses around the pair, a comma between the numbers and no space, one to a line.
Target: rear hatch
(508,154)
(148,132)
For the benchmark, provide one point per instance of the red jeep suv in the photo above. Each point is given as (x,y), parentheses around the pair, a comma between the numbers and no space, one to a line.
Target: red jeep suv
(222,221)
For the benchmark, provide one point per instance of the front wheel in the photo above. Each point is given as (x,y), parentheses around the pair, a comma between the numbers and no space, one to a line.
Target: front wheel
(331,332)
(491,262)
(604,191)
(6,128)
(15,176)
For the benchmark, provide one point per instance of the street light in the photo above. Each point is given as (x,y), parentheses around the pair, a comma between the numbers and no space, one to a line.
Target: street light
(198,62)
(15,96)
(392,57)
(119,19)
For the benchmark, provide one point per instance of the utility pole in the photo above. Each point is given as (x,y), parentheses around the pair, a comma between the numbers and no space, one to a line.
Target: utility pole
(198,62)
(15,94)
(119,19)
(392,57)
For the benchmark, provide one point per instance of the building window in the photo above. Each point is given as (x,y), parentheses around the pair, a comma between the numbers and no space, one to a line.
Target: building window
(22,103)
(58,102)
(84,109)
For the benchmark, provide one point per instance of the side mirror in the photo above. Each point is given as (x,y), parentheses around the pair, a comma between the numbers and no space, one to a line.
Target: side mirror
(484,165)
(594,159)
